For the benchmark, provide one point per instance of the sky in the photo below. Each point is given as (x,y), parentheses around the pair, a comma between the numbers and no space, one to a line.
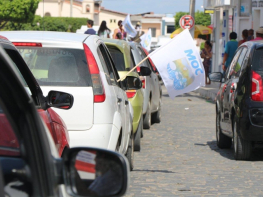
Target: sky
(156,6)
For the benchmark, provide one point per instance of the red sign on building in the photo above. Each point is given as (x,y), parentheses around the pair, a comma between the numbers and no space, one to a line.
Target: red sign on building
(186,22)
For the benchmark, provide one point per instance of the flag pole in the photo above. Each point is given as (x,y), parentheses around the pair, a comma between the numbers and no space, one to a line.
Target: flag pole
(121,79)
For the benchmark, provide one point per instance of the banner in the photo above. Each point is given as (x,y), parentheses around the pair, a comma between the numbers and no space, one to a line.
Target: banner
(146,40)
(128,27)
(180,65)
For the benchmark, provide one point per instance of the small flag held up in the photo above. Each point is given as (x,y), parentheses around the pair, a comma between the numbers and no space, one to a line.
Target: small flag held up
(128,27)
(179,64)
(146,40)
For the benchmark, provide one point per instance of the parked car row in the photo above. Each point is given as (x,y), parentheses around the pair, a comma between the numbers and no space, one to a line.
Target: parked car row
(86,105)
(239,102)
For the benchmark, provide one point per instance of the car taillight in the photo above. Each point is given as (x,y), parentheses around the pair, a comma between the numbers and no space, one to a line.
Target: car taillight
(130,93)
(138,69)
(98,89)
(27,44)
(256,87)
(2,37)
(143,81)
(232,88)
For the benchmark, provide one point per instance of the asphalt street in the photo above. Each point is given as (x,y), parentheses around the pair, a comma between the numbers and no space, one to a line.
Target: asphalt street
(179,156)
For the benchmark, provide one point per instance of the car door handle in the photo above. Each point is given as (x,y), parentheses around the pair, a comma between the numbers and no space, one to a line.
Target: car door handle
(119,100)
(126,102)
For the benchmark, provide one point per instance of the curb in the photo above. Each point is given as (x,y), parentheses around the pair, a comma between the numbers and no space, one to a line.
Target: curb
(209,95)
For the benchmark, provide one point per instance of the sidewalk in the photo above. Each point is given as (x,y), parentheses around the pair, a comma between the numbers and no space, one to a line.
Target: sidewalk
(210,91)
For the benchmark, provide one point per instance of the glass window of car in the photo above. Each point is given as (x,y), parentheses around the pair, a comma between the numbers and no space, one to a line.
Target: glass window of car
(57,66)
(132,59)
(118,58)
(257,61)
(107,67)
(233,64)
(236,68)
(10,158)
(14,56)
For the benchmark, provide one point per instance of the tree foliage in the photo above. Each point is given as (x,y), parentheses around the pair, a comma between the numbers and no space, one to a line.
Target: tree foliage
(62,24)
(20,11)
(200,18)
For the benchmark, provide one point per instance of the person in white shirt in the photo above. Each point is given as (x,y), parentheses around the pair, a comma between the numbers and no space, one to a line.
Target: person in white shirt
(104,31)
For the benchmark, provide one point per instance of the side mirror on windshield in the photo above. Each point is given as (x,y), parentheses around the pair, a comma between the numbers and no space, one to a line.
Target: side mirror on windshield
(60,100)
(216,77)
(145,71)
(132,83)
(95,172)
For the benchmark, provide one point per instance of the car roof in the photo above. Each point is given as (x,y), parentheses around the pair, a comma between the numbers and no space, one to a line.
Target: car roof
(44,35)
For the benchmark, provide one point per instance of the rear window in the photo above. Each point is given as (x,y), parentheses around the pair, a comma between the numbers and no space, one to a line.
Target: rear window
(56,66)
(257,61)
(118,59)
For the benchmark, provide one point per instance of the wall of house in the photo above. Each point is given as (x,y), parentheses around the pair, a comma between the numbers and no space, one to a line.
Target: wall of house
(49,7)
(54,10)
(146,26)
(110,18)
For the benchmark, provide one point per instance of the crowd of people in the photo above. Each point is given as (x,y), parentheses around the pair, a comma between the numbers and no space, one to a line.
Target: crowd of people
(105,32)
(230,48)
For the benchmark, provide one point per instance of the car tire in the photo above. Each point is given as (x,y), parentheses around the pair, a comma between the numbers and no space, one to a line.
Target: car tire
(222,140)
(137,137)
(242,147)
(147,117)
(156,116)
(130,151)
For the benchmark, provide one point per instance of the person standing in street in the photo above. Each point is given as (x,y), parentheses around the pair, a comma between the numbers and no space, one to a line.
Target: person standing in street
(207,55)
(244,36)
(259,34)
(230,49)
(250,35)
(90,30)
(104,31)
(120,31)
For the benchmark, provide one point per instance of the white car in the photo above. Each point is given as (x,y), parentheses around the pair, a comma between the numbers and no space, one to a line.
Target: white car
(81,65)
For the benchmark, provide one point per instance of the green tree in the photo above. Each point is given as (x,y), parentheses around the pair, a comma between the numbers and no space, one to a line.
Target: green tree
(19,11)
(200,18)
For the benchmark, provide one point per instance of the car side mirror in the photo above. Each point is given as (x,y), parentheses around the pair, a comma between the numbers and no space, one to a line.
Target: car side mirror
(95,172)
(132,83)
(145,71)
(60,100)
(216,77)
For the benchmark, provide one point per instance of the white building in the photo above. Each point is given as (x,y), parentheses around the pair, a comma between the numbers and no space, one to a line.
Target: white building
(232,15)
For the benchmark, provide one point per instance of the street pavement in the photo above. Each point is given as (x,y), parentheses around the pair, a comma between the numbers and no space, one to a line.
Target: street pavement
(179,156)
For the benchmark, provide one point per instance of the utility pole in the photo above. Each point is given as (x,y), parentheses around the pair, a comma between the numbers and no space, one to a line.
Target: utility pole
(71,2)
(192,13)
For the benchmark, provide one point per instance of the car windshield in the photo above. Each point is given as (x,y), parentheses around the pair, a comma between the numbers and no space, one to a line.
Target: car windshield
(118,58)
(57,67)
(257,61)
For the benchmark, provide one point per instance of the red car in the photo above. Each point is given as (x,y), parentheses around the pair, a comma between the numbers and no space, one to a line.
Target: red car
(52,120)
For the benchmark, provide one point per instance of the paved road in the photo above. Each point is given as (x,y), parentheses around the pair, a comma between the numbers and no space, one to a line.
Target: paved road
(179,157)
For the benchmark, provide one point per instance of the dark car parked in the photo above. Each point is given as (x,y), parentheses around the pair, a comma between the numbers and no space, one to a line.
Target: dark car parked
(239,102)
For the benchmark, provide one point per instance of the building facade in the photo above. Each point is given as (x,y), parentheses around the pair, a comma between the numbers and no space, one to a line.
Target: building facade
(228,16)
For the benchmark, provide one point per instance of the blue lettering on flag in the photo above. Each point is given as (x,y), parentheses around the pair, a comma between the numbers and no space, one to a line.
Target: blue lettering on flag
(194,62)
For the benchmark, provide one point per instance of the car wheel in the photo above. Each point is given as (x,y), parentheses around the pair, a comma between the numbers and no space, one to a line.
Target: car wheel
(147,117)
(137,138)
(242,148)
(130,151)
(156,117)
(222,140)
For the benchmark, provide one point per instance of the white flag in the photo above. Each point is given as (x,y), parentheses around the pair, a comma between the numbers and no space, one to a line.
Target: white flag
(128,27)
(146,40)
(180,65)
